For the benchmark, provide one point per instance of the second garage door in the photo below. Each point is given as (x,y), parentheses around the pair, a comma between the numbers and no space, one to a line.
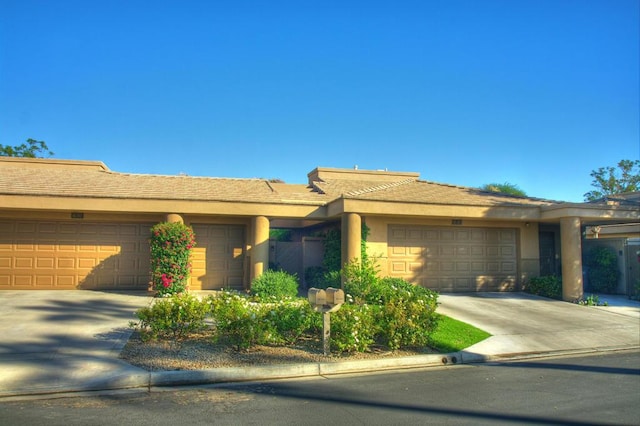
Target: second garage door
(450,259)
(218,258)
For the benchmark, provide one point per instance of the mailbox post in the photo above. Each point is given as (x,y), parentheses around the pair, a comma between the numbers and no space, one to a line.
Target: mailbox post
(326,301)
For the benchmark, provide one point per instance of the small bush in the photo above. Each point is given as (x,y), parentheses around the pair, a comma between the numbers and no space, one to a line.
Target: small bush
(288,321)
(407,314)
(314,276)
(274,285)
(404,313)
(244,324)
(238,321)
(353,328)
(602,269)
(171,245)
(546,286)
(172,317)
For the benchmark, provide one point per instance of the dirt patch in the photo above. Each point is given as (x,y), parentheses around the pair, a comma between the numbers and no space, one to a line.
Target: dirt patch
(199,352)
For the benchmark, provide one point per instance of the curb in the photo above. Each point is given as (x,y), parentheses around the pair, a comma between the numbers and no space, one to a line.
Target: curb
(137,380)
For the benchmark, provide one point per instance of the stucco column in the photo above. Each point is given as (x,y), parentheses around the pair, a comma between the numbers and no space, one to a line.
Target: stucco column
(571,246)
(351,237)
(173,218)
(259,246)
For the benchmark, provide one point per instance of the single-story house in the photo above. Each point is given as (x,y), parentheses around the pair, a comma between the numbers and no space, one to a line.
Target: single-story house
(67,224)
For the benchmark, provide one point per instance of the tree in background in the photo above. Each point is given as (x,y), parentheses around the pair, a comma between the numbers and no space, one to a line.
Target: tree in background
(31,149)
(612,180)
(504,188)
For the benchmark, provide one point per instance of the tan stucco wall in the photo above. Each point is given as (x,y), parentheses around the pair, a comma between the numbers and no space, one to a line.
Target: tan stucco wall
(528,248)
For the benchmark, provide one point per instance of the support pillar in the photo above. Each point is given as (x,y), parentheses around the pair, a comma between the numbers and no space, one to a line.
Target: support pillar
(351,237)
(173,218)
(259,246)
(571,247)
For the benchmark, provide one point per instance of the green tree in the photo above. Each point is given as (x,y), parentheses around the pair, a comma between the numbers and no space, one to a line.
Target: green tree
(504,188)
(612,180)
(31,149)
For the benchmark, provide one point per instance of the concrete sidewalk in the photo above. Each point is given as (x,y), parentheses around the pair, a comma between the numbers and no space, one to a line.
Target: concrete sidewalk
(68,341)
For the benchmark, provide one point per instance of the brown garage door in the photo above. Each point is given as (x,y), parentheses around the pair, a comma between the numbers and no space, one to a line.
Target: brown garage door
(69,255)
(454,259)
(218,258)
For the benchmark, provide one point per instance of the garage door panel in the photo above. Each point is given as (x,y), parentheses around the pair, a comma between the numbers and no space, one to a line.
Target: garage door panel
(218,258)
(51,255)
(452,259)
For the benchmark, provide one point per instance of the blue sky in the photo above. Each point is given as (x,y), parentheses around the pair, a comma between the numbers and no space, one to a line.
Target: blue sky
(537,93)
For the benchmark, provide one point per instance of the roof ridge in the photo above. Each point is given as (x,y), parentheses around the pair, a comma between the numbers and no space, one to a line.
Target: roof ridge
(502,194)
(184,176)
(380,187)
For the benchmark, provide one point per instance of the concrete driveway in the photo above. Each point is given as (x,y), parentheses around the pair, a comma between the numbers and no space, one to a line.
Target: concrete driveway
(57,339)
(521,323)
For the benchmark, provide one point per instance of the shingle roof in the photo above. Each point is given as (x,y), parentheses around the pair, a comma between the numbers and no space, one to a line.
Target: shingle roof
(418,191)
(94,180)
(16,179)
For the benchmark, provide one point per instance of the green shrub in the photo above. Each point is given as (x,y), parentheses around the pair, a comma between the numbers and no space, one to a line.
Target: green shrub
(244,324)
(171,245)
(172,317)
(405,313)
(332,260)
(353,328)
(288,321)
(314,276)
(546,286)
(319,277)
(238,321)
(602,269)
(274,285)
(361,281)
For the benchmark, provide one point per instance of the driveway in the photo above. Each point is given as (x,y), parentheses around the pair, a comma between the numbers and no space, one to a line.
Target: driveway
(56,339)
(521,323)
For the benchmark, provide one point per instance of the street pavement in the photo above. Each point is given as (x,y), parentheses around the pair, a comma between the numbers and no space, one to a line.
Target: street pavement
(59,342)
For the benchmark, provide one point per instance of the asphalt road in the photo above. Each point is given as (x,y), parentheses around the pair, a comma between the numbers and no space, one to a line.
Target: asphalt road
(597,389)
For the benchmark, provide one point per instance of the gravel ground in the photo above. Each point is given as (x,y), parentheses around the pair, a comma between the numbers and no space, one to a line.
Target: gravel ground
(199,352)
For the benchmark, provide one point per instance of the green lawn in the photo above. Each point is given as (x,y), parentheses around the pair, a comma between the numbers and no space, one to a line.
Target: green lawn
(453,335)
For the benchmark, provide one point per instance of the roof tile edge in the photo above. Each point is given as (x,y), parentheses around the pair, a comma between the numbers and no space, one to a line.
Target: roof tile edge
(322,173)
(54,162)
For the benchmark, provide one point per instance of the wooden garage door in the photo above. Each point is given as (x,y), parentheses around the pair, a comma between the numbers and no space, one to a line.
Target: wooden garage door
(69,255)
(451,259)
(218,258)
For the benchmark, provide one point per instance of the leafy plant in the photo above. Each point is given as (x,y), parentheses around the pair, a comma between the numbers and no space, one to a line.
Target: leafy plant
(592,300)
(172,317)
(404,313)
(602,269)
(546,286)
(171,245)
(31,149)
(353,328)
(238,321)
(274,285)
(612,180)
(332,260)
(288,320)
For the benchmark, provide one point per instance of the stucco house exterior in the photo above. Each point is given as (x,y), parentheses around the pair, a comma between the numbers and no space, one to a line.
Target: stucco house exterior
(67,224)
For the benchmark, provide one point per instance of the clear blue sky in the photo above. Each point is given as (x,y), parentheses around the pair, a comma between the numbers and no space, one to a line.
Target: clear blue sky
(534,92)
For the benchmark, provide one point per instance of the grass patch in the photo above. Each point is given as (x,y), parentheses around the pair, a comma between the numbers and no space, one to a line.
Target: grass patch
(453,335)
